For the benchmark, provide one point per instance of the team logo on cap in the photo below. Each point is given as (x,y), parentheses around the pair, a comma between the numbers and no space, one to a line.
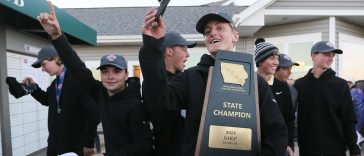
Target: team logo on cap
(111,58)
(330,44)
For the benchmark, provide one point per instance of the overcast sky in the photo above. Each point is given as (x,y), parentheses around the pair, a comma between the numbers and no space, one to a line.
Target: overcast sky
(135,3)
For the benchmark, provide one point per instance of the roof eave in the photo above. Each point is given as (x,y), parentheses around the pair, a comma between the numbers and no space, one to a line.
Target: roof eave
(250,20)
(137,39)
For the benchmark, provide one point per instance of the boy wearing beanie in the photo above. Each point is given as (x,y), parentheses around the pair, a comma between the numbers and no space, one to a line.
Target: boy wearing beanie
(266,58)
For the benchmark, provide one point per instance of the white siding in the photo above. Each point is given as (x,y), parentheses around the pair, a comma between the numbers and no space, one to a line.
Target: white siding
(348,28)
(296,29)
(246,44)
(318,4)
(319,27)
(16,41)
(130,52)
(95,53)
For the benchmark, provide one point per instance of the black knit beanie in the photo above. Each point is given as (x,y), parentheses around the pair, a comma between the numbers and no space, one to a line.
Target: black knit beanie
(263,50)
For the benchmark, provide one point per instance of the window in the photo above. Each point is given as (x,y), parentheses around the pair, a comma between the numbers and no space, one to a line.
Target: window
(298,47)
(350,61)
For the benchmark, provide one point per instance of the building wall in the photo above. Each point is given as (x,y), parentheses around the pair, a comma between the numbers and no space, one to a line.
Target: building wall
(4,117)
(314,26)
(321,26)
(130,52)
(317,4)
(296,29)
(345,27)
(246,44)
(351,39)
(17,42)
(28,118)
(91,55)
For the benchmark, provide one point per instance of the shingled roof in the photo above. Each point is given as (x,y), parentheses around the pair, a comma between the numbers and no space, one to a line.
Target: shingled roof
(128,20)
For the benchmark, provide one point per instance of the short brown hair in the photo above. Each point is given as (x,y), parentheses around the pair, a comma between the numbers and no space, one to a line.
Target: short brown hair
(58,60)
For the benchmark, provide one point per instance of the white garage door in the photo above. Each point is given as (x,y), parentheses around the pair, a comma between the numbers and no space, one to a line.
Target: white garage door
(28,118)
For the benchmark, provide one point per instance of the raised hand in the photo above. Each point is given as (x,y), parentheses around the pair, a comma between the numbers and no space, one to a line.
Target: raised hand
(50,23)
(152,26)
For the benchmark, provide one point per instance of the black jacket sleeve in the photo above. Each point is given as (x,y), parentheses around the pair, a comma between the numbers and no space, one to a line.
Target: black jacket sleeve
(348,119)
(74,64)
(170,95)
(153,68)
(41,96)
(273,129)
(87,86)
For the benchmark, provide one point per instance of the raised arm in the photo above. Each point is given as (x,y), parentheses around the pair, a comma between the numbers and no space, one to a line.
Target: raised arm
(65,51)
(151,57)
(50,23)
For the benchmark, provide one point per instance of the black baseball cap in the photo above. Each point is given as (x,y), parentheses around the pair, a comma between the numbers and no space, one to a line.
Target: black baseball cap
(45,53)
(117,61)
(285,61)
(324,47)
(175,38)
(200,26)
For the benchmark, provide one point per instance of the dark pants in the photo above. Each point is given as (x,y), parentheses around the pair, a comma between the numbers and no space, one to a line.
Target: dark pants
(52,152)
(302,153)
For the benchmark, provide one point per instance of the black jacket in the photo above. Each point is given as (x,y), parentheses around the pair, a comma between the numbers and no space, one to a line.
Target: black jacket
(282,94)
(187,90)
(167,125)
(326,116)
(294,95)
(67,130)
(123,116)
